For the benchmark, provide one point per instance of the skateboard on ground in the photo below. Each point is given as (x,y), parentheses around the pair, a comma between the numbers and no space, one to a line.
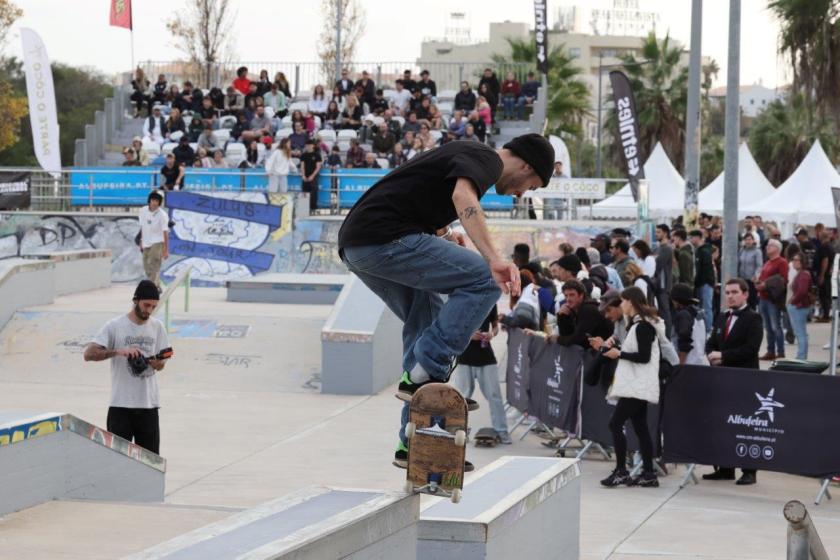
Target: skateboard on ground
(437,439)
(487,437)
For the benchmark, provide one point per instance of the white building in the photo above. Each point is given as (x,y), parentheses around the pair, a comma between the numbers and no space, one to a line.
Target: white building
(751,99)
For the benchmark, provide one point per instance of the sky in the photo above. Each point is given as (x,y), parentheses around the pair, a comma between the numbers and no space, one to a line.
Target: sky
(77,32)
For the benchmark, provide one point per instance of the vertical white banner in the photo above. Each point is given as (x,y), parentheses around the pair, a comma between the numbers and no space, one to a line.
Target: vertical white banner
(42,111)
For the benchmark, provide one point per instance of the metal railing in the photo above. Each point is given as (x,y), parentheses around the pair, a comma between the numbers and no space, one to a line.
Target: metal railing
(182,279)
(803,541)
(304,76)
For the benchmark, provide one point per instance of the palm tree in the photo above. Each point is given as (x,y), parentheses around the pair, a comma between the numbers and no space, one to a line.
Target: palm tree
(710,70)
(659,82)
(568,94)
(782,134)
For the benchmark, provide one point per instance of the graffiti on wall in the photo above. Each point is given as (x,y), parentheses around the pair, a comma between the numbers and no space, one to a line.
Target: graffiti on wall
(29,430)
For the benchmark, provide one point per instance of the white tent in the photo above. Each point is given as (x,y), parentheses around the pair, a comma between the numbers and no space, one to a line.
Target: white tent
(753,186)
(667,192)
(805,198)
(561,153)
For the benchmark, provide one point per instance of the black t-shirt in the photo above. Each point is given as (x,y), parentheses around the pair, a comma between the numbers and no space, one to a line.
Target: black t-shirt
(824,252)
(417,196)
(171,174)
(310,161)
(476,354)
(810,252)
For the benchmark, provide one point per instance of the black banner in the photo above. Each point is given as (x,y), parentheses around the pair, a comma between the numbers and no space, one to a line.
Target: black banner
(15,190)
(518,370)
(541,35)
(767,420)
(554,383)
(628,129)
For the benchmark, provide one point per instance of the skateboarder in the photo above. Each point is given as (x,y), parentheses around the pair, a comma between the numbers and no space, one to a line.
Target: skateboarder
(398,240)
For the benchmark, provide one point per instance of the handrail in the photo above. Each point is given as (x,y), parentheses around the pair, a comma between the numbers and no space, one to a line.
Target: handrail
(803,541)
(183,277)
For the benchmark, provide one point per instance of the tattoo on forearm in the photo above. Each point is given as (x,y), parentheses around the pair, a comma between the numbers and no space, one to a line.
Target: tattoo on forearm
(469,212)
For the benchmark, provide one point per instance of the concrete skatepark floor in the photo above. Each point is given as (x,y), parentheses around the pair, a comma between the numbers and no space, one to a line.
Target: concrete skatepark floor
(243,422)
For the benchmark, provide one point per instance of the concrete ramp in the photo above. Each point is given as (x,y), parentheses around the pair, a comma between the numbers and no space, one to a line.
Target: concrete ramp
(312,524)
(515,507)
(361,343)
(51,455)
(302,289)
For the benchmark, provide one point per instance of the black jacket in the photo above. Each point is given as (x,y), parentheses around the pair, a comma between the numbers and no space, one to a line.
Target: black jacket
(740,349)
(573,328)
(465,101)
(704,268)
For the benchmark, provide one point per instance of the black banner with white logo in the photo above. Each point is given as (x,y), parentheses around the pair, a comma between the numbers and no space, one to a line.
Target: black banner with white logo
(15,190)
(766,420)
(541,34)
(554,383)
(518,370)
(628,129)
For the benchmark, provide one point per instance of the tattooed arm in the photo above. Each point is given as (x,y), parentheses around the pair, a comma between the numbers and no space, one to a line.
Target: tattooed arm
(97,353)
(472,219)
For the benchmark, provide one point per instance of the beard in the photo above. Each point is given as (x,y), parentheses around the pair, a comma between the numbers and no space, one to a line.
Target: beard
(140,314)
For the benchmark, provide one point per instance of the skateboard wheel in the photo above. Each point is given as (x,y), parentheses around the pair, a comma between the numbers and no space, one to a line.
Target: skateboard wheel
(409,487)
(456,495)
(460,438)
(410,430)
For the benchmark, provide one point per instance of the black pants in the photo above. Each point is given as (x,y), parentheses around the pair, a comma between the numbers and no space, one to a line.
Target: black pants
(311,187)
(634,410)
(730,471)
(139,424)
(139,98)
(825,299)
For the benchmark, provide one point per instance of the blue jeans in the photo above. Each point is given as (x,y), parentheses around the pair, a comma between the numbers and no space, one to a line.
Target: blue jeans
(508,106)
(772,317)
(488,381)
(706,294)
(409,274)
(799,322)
(520,107)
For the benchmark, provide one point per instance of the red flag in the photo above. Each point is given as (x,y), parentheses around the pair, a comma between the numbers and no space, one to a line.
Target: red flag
(121,13)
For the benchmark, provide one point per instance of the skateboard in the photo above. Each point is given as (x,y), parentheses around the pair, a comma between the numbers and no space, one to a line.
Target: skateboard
(436,431)
(487,437)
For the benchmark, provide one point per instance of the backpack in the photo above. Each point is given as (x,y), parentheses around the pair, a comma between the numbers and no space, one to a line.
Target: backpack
(652,292)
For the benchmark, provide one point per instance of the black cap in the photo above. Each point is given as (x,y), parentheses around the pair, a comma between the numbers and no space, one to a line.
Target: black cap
(682,293)
(570,263)
(600,237)
(146,289)
(522,249)
(802,231)
(536,151)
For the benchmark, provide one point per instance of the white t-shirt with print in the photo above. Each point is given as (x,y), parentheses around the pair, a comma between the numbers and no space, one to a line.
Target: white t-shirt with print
(152,226)
(127,389)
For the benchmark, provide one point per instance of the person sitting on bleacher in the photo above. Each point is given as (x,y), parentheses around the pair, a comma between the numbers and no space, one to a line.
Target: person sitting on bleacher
(411,125)
(217,98)
(207,113)
(252,95)
(383,142)
(469,134)
(370,162)
(140,154)
(264,83)
(424,109)
(252,156)
(427,86)
(208,140)
(297,139)
(435,118)
(242,83)
(332,117)
(142,91)
(172,96)
(380,104)
(338,97)
(345,84)
(425,136)
(159,91)
(183,152)
(401,98)
(355,154)
(195,129)
(368,89)
(393,124)
(186,100)
(351,116)
(465,99)
(130,159)
(408,82)
(275,99)
(318,103)
(260,124)
(219,161)
(154,127)
(478,125)
(397,157)
(408,142)
(234,101)
(240,128)
(175,123)
(283,84)
(458,124)
(415,101)
(202,159)
(528,95)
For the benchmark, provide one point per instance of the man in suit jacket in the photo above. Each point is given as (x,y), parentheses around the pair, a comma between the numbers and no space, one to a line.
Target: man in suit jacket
(735,342)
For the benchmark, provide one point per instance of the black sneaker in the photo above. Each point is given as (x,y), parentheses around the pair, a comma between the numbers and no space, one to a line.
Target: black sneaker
(645,480)
(616,478)
(406,388)
(471,404)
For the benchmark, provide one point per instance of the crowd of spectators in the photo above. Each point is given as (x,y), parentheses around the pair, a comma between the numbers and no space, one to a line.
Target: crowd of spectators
(258,123)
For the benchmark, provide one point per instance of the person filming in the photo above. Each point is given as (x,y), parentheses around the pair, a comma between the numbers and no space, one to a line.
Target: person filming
(636,383)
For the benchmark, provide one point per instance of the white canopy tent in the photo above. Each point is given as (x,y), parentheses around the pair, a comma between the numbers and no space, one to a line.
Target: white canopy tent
(805,197)
(561,153)
(667,192)
(753,186)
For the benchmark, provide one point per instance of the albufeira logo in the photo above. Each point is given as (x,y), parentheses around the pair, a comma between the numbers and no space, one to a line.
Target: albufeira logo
(767,406)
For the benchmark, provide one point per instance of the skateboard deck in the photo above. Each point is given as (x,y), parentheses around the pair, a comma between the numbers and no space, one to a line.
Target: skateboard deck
(436,432)
(487,437)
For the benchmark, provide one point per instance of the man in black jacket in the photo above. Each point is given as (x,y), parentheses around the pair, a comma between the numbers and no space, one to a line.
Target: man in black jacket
(704,275)
(578,318)
(735,342)
(465,99)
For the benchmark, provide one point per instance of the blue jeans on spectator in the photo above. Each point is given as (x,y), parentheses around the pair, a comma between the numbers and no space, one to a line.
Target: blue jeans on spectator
(706,294)
(488,382)
(520,107)
(799,322)
(772,317)
(508,106)
(409,274)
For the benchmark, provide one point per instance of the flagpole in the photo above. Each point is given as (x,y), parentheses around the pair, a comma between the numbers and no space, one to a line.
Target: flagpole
(131,31)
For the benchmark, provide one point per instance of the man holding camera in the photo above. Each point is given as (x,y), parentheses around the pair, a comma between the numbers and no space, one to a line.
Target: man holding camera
(131,342)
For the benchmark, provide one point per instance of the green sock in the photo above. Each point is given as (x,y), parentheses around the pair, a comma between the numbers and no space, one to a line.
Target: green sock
(402,447)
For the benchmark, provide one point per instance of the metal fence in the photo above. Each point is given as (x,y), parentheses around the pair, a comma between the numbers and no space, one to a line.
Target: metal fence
(304,76)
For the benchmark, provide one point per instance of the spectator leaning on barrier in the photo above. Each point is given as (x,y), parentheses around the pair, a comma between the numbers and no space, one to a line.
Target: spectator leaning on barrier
(578,318)
(310,167)
(735,342)
(800,302)
(172,174)
(279,166)
(478,362)
(689,336)
(154,236)
(135,397)
(635,384)
(772,287)
(822,275)
(130,158)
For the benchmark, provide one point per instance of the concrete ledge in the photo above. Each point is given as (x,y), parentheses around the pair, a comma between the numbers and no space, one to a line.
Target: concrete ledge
(307,289)
(53,456)
(361,343)
(80,271)
(23,283)
(507,510)
(312,524)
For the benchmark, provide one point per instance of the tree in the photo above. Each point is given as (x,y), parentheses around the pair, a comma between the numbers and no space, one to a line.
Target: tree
(782,134)
(568,94)
(352,23)
(660,84)
(202,31)
(78,94)
(709,70)
(9,13)
(13,105)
